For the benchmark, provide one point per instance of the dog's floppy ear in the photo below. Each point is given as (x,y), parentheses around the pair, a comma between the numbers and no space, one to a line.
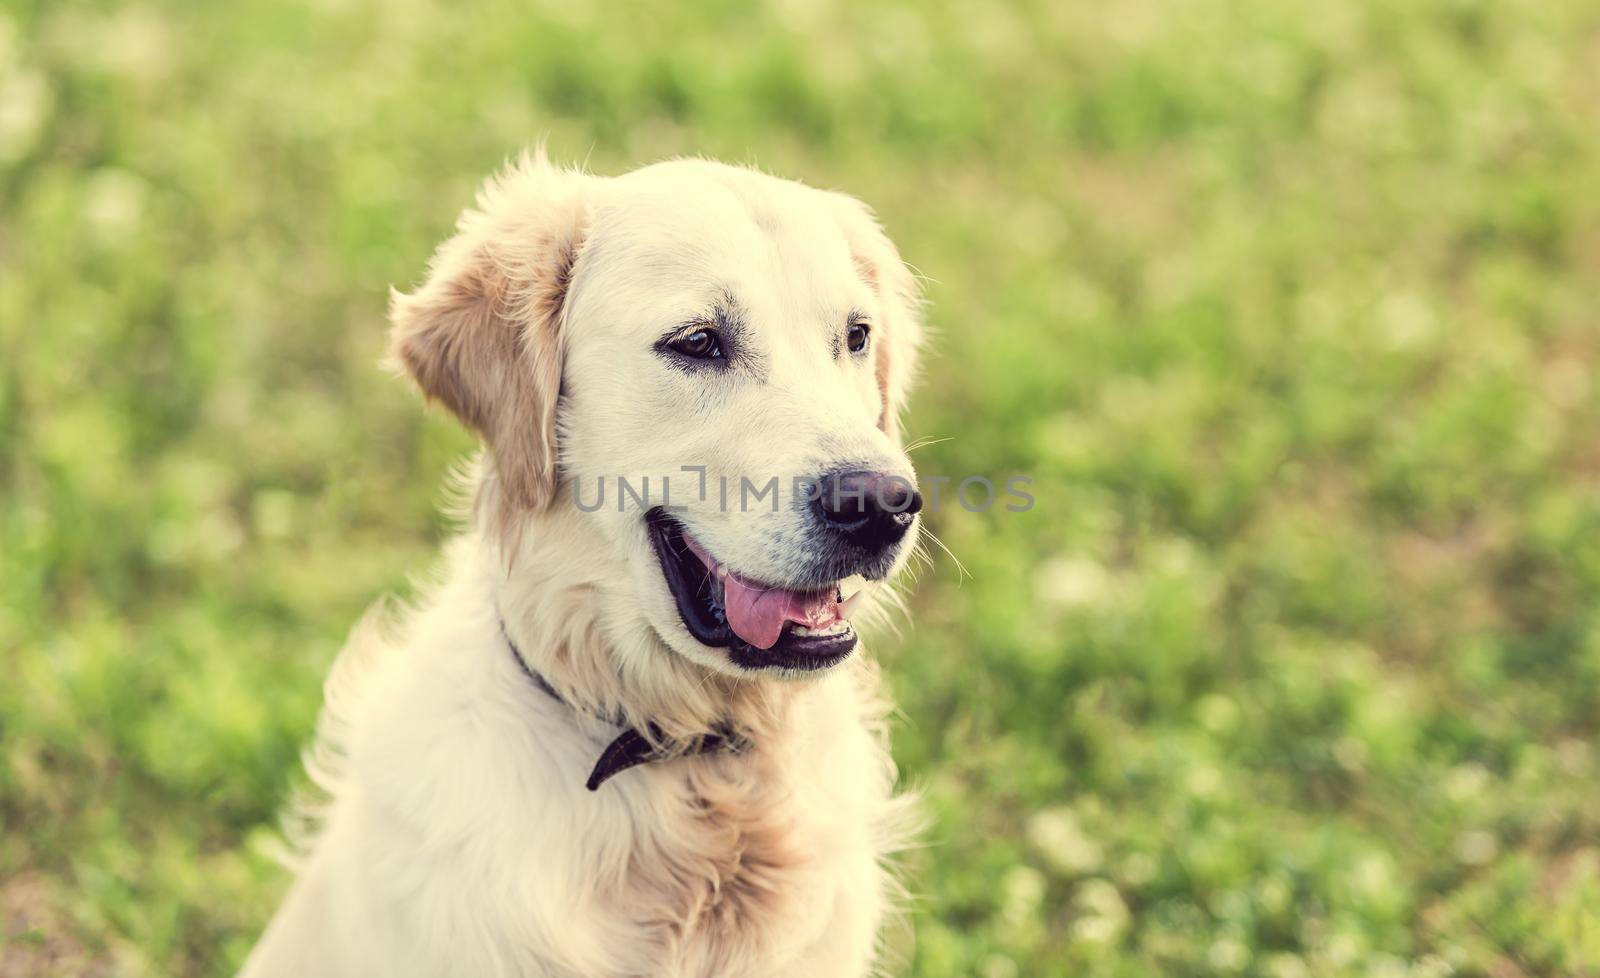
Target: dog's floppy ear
(481,335)
(897,336)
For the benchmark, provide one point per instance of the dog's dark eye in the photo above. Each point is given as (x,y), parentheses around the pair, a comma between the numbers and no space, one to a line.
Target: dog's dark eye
(857,338)
(702,344)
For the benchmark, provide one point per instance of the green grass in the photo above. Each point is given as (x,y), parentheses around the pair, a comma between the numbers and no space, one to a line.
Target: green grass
(1288,309)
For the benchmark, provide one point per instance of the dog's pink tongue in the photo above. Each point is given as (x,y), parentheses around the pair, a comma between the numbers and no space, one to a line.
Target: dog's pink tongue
(757,613)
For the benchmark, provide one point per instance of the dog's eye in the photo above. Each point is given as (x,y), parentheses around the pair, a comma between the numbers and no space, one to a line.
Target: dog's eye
(701,344)
(857,338)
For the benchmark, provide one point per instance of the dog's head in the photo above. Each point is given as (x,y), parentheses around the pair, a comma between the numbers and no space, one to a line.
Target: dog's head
(707,363)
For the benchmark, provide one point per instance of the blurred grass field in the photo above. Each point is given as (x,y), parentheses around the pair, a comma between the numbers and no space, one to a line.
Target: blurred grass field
(1288,308)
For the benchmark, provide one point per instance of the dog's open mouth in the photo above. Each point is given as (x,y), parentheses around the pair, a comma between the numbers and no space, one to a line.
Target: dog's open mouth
(762,626)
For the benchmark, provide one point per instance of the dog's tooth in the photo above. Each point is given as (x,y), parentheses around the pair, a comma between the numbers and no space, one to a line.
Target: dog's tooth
(849,605)
(832,628)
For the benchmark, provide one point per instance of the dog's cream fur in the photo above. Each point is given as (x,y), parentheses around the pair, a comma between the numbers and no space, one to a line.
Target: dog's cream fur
(457,837)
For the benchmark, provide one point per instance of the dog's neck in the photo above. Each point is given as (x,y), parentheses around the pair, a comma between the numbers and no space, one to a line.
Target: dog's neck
(569,605)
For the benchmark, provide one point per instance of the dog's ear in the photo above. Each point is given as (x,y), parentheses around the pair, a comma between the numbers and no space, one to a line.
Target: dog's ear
(897,336)
(481,335)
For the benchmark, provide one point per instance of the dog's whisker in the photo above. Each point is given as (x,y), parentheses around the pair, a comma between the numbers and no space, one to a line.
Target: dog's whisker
(925,441)
(960,567)
(919,560)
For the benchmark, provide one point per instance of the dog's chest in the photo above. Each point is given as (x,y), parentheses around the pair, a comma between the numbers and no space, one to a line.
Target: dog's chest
(735,871)
(757,864)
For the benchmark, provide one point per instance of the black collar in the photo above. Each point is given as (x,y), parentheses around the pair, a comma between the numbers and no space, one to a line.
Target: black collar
(631,748)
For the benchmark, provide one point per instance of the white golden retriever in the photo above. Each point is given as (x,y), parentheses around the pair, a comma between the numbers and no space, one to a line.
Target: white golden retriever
(630,733)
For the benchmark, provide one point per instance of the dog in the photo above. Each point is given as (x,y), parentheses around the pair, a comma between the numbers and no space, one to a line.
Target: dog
(630,732)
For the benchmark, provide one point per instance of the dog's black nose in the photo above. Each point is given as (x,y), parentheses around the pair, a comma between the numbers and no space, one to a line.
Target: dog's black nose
(872,510)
